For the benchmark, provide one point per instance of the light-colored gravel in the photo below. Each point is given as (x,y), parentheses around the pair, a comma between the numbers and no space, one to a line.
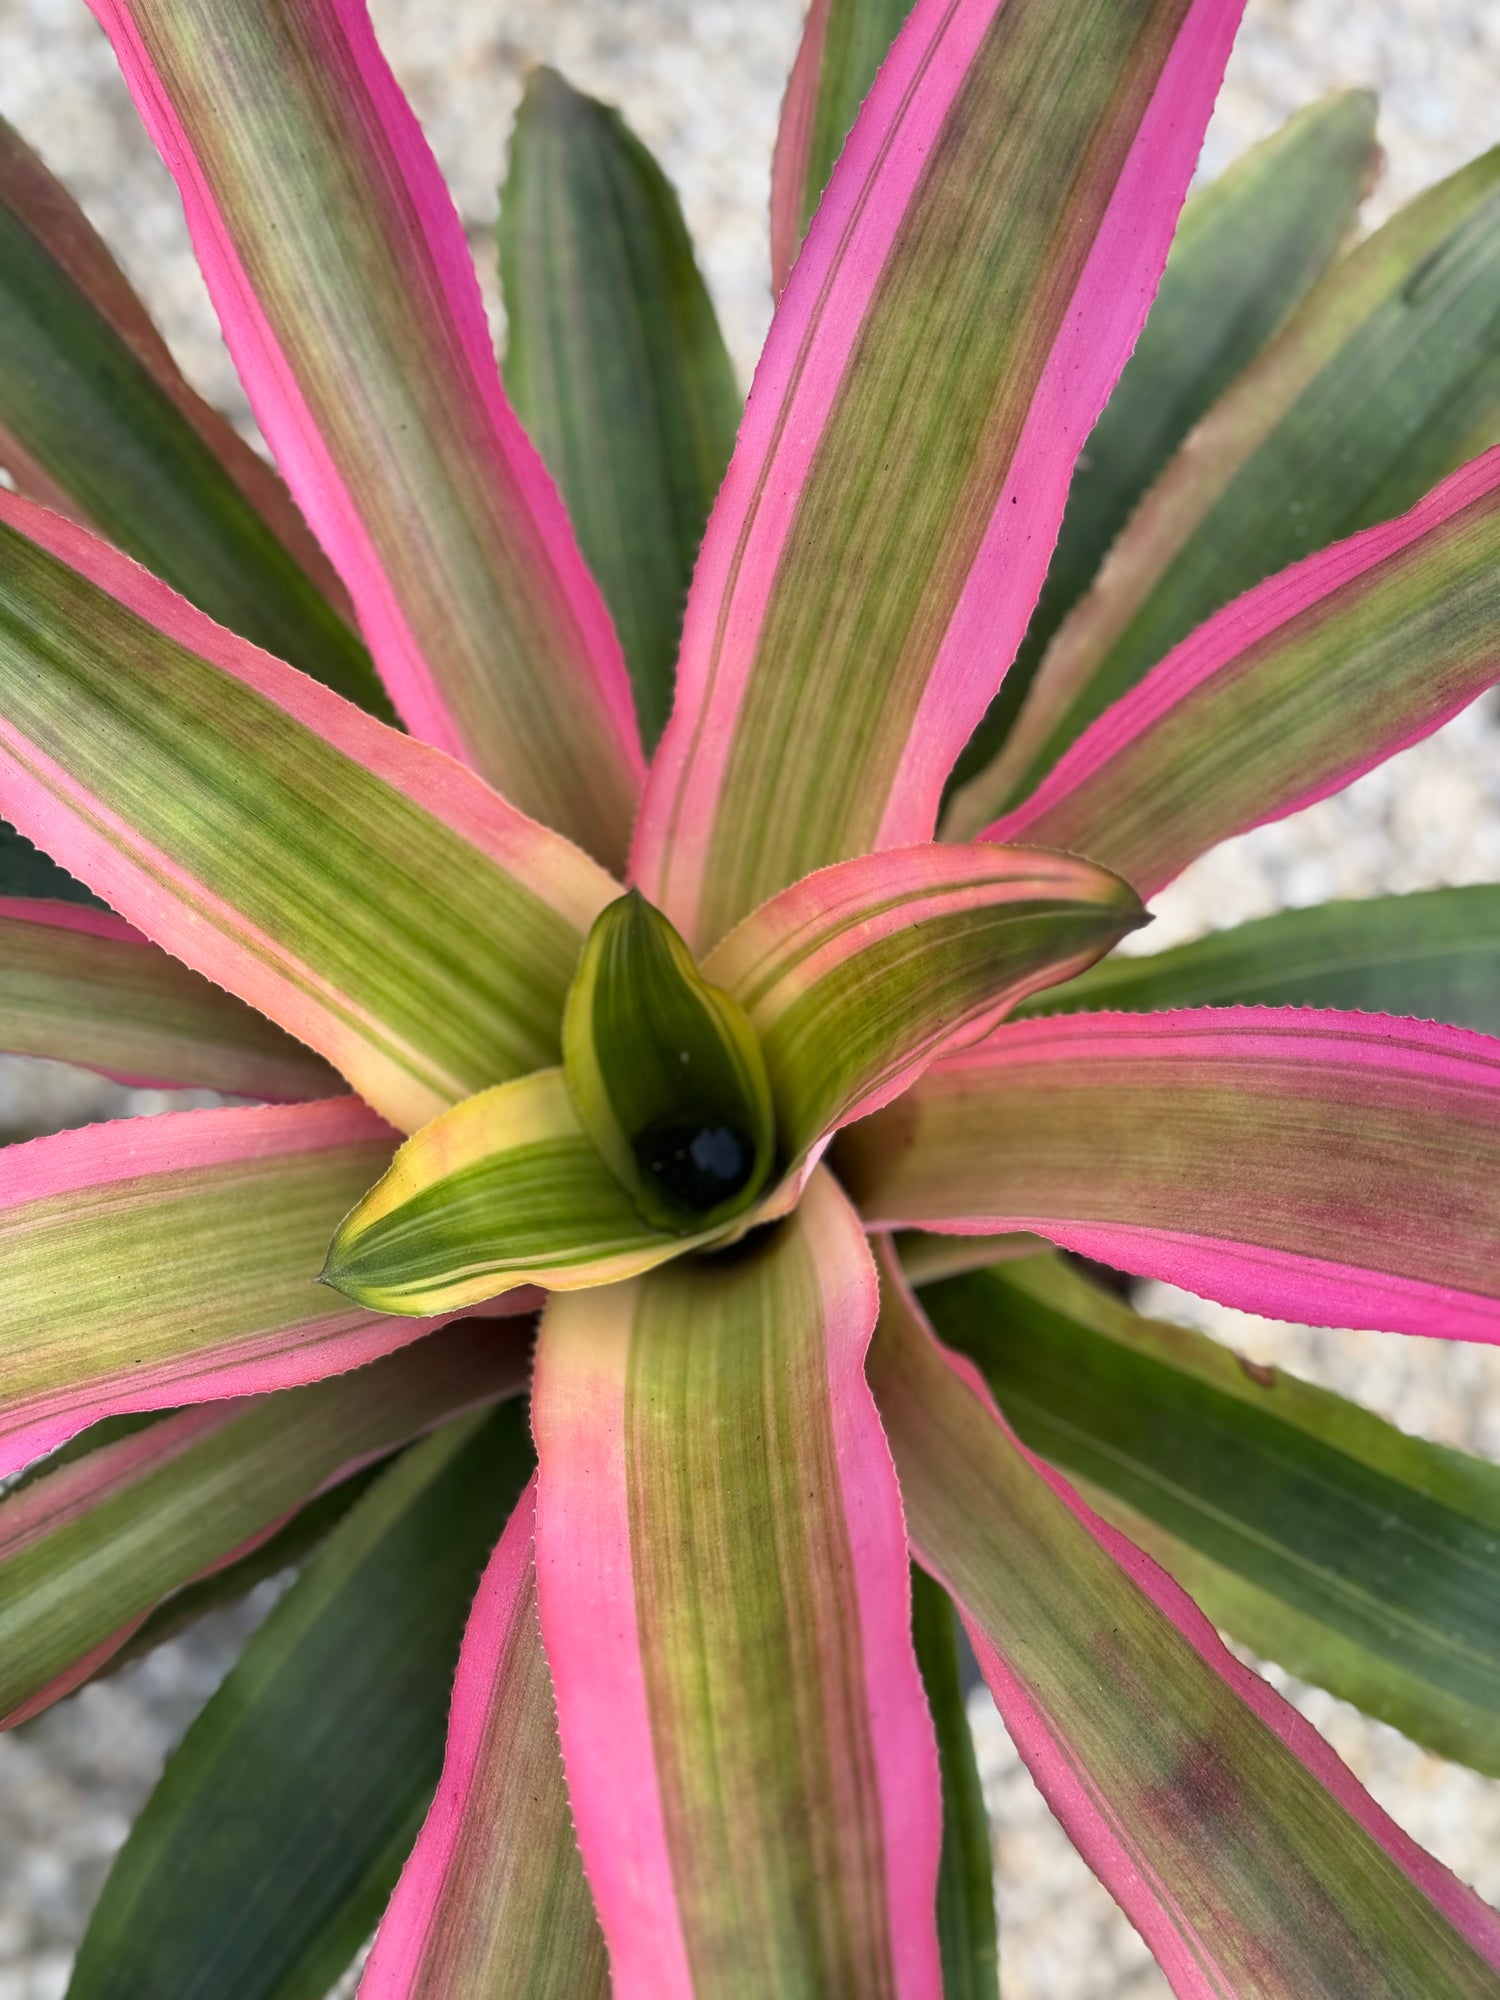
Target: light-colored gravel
(702,84)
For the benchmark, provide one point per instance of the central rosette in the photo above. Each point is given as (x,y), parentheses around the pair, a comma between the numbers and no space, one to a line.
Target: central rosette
(666,1074)
(693,1104)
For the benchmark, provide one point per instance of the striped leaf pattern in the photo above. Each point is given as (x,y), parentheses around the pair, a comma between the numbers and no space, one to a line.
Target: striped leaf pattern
(957,319)
(1238,1844)
(749,1757)
(1196,1147)
(79,986)
(377,901)
(1385,381)
(348,299)
(1289,693)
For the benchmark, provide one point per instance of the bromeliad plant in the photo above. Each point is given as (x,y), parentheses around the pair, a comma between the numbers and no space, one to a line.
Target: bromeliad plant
(706,1736)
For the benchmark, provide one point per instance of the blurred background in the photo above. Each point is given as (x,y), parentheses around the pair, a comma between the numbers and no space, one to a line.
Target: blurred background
(702,84)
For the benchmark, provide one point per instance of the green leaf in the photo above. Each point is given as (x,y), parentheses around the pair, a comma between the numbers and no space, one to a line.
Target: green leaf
(89,1550)
(266,1853)
(1356,1556)
(615,364)
(287,1549)
(966,1885)
(96,419)
(1380,385)
(1435,955)
(666,1073)
(1248,249)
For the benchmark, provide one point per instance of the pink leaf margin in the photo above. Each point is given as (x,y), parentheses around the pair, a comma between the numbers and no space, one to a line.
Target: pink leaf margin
(592,1636)
(1224,639)
(586,1597)
(1076,1803)
(335,1336)
(401,1941)
(305,460)
(793,150)
(812,337)
(1252,1278)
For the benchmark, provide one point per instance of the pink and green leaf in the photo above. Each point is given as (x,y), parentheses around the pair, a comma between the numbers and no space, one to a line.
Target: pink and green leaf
(97,422)
(160,1261)
(1383,382)
(843,45)
(87,1551)
(288,1548)
(722,1576)
(264,1858)
(955,323)
(1244,1852)
(1248,249)
(1358,1557)
(493,1899)
(370,896)
(856,976)
(80,986)
(1333,1168)
(926,1258)
(344,285)
(1289,693)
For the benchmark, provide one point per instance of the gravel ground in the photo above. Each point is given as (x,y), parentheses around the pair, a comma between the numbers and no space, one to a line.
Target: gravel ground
(702,83)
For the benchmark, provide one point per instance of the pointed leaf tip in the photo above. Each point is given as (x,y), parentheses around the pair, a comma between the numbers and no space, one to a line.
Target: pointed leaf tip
(666,1073)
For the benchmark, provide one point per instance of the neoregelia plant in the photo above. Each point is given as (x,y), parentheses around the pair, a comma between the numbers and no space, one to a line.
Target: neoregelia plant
(777,1096)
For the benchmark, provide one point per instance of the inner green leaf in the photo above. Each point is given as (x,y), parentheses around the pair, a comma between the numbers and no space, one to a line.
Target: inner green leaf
(666,1073)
